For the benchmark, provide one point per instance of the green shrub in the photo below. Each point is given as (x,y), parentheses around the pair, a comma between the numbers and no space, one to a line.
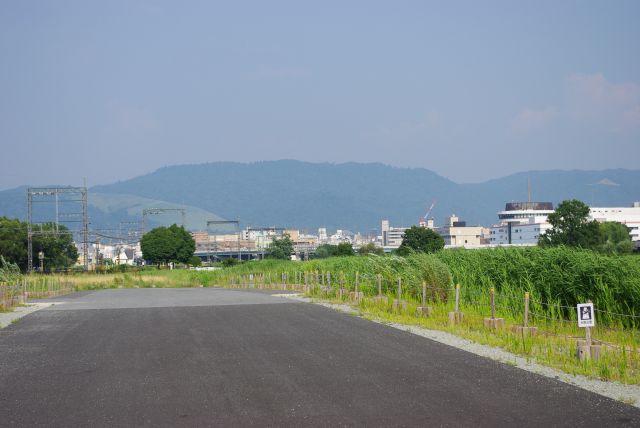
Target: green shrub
(559,276)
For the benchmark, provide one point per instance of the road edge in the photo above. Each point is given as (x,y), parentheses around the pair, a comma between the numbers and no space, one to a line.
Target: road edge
(628,394)
(8,318)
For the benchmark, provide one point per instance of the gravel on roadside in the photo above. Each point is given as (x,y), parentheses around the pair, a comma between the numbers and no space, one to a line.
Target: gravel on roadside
(6,318)
(629,394)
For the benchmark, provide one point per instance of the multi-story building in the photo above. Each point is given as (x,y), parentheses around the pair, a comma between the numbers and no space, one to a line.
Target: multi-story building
(322,235)
(262,236)
(391,236)
(521,223)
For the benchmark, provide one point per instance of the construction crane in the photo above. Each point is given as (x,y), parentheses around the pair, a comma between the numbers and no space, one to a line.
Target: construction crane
(433,204)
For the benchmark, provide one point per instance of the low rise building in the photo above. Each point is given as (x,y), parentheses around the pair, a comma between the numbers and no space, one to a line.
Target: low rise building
(456,233)
(211,243)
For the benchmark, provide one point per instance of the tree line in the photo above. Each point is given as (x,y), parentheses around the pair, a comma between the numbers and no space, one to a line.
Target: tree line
(56,244)
(571,227)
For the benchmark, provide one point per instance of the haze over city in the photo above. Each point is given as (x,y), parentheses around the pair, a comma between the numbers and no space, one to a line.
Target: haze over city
(472,91)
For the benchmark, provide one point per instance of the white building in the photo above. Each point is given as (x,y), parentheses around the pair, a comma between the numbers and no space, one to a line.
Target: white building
(392,236)
(629,216)
(521,223)
(341,236)
(262,236)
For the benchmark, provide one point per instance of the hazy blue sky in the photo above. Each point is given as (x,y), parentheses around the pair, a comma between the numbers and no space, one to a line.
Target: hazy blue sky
(471,90)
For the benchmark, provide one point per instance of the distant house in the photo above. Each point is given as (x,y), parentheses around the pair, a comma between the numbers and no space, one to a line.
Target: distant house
(124,256)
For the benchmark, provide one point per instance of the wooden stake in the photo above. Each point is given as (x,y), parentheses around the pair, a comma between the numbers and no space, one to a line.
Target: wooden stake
(588,330)
(526,309)
(492,297)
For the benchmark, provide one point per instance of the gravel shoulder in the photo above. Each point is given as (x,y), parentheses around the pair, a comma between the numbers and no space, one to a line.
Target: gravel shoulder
(7,318)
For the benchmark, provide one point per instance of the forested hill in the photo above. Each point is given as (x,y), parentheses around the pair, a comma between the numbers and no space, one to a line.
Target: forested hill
(350,196)
(357,196)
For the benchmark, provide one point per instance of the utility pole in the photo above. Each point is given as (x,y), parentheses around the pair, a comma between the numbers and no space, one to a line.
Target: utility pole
(97,262)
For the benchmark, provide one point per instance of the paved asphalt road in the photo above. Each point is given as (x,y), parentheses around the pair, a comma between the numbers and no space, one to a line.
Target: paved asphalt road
(210,357)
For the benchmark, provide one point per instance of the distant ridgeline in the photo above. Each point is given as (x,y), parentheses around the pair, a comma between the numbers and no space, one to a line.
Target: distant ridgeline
(349,196)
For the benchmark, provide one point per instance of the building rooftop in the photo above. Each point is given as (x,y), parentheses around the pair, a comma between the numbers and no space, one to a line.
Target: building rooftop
(537,206)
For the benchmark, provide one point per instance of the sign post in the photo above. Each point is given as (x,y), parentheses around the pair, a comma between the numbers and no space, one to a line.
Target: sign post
(585,349)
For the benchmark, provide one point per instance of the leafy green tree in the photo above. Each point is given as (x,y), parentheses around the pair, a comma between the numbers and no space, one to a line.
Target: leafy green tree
(370,248)
(280,248)
(344,249)
(60,252)
(614,231)
(616,238)
(13,241)
(168,244)
(195,261)
(420,240)
(571,227)
(325,250)
(185,245)
(59,249)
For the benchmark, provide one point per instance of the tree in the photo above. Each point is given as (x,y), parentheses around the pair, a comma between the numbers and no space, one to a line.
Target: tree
(325,250)
(370,248)
(613,231)
(571,227)
(168,244)
(13,241)
(60,252)
(280,248)
(616,238)
(344,249)
(59,249)
(421,240)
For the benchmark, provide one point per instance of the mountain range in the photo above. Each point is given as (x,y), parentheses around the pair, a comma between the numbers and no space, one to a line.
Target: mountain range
(352,196)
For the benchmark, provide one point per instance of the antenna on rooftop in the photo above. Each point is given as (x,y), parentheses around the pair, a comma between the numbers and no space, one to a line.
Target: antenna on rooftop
(529,187)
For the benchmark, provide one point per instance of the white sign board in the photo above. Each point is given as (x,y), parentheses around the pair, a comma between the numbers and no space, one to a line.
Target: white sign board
(586,315)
